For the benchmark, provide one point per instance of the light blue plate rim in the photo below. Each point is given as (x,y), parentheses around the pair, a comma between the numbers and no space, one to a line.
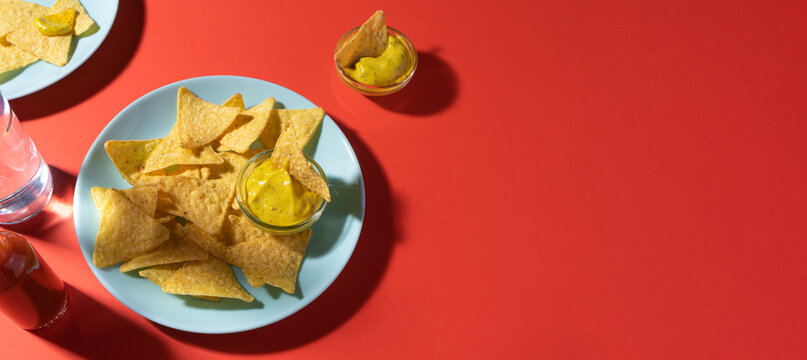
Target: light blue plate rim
(42,74)
(322,263)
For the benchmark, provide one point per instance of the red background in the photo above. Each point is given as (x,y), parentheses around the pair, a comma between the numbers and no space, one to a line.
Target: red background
(577,179)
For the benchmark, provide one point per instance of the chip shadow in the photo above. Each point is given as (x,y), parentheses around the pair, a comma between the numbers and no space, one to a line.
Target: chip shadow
(223,304)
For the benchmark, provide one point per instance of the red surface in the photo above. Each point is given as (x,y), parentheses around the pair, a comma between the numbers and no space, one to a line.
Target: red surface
(563,179)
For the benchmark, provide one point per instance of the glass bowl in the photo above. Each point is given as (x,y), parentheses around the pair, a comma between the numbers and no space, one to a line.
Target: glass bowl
(240,195)
(379,90)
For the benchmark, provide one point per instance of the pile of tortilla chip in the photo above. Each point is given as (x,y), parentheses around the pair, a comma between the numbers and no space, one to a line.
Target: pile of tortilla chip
(22,44)
(179,224)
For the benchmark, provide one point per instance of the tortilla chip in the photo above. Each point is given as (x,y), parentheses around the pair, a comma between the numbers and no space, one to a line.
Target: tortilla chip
(129,156)
(247,127)
(144,196)
(200,122)
(214,245)
(83,20)
(177,249)
(15,14)
(12,57)
(287,149)
(169,153)
(202,202)
(158,274)
(306,122)
(53,49)
(370,40)
(266,258)
(211,277)
(237,100)
(125,231)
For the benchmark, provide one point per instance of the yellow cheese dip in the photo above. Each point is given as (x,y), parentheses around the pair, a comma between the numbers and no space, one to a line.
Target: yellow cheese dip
(389,68)
(276,198)
(57,24)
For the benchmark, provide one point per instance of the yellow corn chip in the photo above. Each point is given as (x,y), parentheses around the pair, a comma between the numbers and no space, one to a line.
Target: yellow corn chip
(83,21)
(53,49)
(287,149)
(214,245)
(306,122)
(247,127)
(125,231)
(267,258)
(159,273)
(168,153)
(200,122)
(211,277)
(129,156)
(202,202)
(176,249)
(14,14)
(144,196)
(233,162)
(237,100)
(12,57)
(370,40)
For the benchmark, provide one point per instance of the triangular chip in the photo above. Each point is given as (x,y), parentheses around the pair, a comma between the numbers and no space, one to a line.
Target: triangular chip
(83,20)
(125,231)
(287,149)
(211,277)
(12,57)
(202,202)
(306,122)
(200,122)
(169,153)
(14,14)
(370,41)
(247,127)
(53,49)
(214,245)
(159,273)
(129,156)
(237,100)
(176,249)
(266,258)
(144,196)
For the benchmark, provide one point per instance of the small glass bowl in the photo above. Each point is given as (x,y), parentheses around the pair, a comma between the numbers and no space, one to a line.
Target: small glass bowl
(240,194)
(373,90)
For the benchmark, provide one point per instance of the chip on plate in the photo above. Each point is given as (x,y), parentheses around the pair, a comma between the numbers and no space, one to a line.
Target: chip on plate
(177,249)
(211,277)
(53,49)
(266,258)
(125,231)
(305,121)
(200,201)
(247,127)
(12,57)
(200,122)
(14,14)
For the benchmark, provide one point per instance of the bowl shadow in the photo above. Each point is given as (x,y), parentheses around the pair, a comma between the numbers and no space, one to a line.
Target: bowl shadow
(348,293)
(433,88)
(84,330)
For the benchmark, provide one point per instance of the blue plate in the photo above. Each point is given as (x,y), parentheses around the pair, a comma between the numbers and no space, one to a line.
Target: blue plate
(334,238)
(41,74)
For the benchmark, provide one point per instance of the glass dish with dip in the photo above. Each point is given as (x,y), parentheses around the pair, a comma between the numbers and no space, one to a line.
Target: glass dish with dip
(385,74)
(273,200)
